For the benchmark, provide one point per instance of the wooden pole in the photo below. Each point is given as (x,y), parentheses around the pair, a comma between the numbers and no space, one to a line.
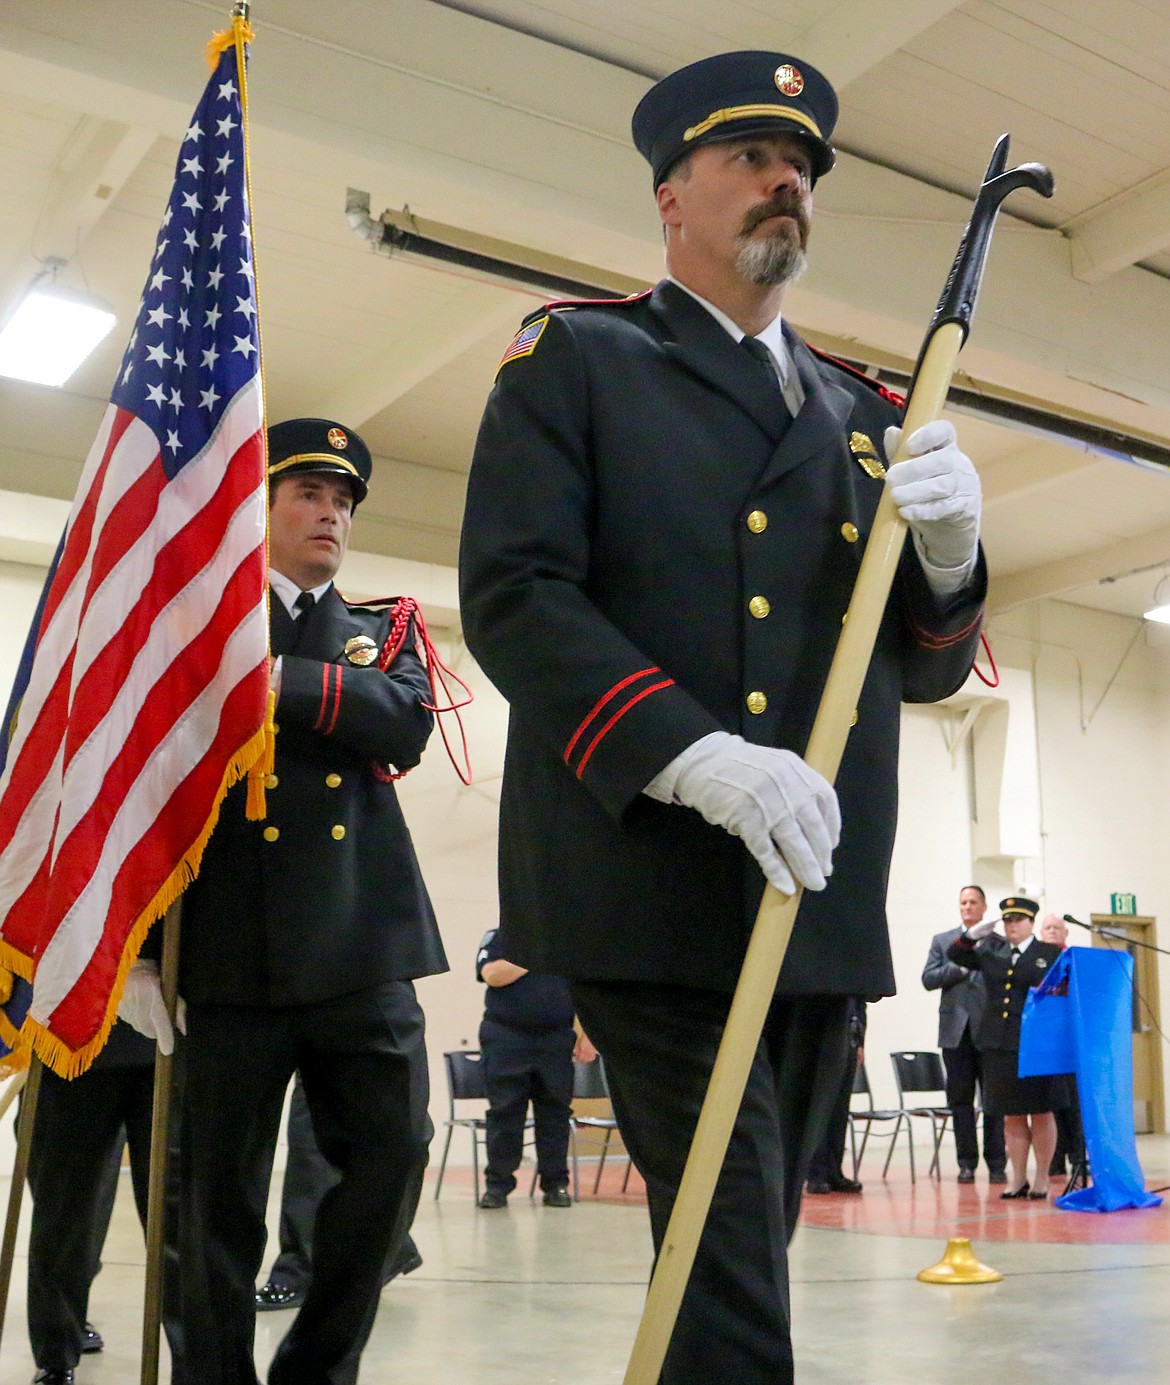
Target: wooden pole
(777,914)
(24,1130)
(159,1141)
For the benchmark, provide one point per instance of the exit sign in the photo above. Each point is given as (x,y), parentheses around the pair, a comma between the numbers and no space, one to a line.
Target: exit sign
(1123,904)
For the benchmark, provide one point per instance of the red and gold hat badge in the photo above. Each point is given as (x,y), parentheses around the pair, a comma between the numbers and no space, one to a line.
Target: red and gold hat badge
(337,439)
(789,80)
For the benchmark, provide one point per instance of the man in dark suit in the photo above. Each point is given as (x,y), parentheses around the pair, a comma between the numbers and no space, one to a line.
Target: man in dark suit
(662,532)
(301,938)
(960,1010)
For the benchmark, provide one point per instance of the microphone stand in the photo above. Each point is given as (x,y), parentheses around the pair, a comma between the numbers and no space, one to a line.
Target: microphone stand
(1114,936)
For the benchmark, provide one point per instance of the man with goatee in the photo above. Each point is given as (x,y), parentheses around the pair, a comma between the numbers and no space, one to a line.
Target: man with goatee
(667,510)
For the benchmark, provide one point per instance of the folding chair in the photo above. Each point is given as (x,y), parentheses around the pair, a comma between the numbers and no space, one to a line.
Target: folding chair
(589,1083)
(464,1083)
(868,1116)
(921,1074)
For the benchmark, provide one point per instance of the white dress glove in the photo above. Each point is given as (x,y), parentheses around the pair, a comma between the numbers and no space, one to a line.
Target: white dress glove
(980,930)
(784,811)
(143,1008)
(938,494)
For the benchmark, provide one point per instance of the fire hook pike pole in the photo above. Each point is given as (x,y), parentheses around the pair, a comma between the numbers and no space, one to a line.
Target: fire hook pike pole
(773,927)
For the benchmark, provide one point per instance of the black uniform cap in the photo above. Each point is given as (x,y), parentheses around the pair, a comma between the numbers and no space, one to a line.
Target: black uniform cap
(319,444)
(1017,904)
(732,95)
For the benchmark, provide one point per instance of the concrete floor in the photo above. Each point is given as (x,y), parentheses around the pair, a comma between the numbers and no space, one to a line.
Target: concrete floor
(542,1296)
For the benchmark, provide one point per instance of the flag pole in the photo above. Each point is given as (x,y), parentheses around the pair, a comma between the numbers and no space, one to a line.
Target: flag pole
(159,1148)
(777,914)
(24,1129)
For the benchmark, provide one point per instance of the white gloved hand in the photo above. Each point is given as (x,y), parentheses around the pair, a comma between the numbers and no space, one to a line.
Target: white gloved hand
(143,1008)
(784,811)
(980,930)
(938,494)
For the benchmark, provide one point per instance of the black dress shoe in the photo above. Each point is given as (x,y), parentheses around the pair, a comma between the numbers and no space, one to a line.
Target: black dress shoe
(1057,1169)
(966,1173)
(91,1339)
(493,1199)
(1021,1191)
(557,1197)
(838,1183)
(1037,1196)
(997,1175)
(405,1262)
(817,1186)
(53,1378)
(273,1296)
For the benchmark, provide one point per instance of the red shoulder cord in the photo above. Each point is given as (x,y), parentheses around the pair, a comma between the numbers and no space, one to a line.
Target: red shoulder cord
(437,675)
(993,681)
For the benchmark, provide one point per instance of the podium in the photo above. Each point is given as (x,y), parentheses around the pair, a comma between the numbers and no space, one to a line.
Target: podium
(1079,1021)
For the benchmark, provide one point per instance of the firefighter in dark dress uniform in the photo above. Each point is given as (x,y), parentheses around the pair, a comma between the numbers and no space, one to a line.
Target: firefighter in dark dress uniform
(1011,966)
(301,939)
(527,1041)
(663,528)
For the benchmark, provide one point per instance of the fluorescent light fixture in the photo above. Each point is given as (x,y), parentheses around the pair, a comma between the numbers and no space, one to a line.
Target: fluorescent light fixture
(1159,613)
(51,333)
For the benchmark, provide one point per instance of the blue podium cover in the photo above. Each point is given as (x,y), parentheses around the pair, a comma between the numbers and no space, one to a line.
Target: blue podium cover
(1079,1021)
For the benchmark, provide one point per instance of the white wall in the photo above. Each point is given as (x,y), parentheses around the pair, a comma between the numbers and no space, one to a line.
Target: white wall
(1103,800)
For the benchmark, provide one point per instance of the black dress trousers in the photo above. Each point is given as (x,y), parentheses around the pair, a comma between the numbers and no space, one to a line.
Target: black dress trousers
(659,1045)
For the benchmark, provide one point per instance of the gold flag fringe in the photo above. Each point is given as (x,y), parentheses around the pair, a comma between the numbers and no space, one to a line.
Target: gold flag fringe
(64,1061)
(219,43)
(257,805)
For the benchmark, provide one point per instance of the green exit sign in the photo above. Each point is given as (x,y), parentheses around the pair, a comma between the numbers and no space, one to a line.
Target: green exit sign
(1123,904)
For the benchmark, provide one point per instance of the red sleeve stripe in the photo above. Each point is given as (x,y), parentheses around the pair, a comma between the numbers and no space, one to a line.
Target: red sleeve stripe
(617,716)
(329,691)
(609,696)
(931,641)
(336,700)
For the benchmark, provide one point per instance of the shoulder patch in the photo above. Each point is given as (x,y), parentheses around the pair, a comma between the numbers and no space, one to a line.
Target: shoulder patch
(558,303)
(524,342)
(889,395)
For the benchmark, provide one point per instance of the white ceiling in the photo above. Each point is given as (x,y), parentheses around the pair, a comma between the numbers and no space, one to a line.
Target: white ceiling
(510,119)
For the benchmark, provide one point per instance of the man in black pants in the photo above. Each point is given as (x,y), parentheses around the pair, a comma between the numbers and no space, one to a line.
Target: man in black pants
(825,1174)
(960,1009)
(308,1176)
(78,1135)
(301,939)
(527,1041)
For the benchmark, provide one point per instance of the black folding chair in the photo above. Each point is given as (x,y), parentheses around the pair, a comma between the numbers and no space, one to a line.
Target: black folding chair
(465,1083)
(589,1083)
(919,1074)
(867,1117)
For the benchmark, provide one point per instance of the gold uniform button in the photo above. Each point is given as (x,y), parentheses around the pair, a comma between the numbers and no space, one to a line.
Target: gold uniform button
(756,703)
(757,521)
(271,834)
(1005,1014)
(271,781)
(333,780)
(338,832)
(849,532)
(759,606)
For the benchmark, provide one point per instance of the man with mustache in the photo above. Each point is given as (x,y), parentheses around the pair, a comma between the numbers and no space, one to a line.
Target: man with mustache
(302,937)
(667,509)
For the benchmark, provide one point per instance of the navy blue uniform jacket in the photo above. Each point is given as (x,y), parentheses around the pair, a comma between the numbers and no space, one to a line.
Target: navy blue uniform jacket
(632,491)
(325,896)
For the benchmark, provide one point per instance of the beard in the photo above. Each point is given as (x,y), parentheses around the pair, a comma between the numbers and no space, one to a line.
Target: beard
(780,257)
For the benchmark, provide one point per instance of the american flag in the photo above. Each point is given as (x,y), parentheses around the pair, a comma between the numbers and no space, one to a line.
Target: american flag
(148,688)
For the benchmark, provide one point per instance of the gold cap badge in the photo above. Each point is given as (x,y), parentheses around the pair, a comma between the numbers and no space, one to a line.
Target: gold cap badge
(866,455)
(337,439)
(789,79)
(361,650)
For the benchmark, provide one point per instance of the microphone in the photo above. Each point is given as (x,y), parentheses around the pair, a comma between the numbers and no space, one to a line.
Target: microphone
(1068,918)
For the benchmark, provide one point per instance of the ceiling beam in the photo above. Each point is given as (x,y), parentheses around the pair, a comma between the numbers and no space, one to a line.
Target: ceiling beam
(849,39)
(1083,570)
(478,309)
(1131,228)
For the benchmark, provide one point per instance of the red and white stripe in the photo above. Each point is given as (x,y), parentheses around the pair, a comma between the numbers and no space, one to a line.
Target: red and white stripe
(150,675)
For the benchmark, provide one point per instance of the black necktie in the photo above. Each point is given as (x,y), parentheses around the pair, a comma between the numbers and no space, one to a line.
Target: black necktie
(304,604)
(1015,955)
(763,357)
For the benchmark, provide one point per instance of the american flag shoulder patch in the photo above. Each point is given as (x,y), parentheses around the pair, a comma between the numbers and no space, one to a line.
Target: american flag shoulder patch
(524,342)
